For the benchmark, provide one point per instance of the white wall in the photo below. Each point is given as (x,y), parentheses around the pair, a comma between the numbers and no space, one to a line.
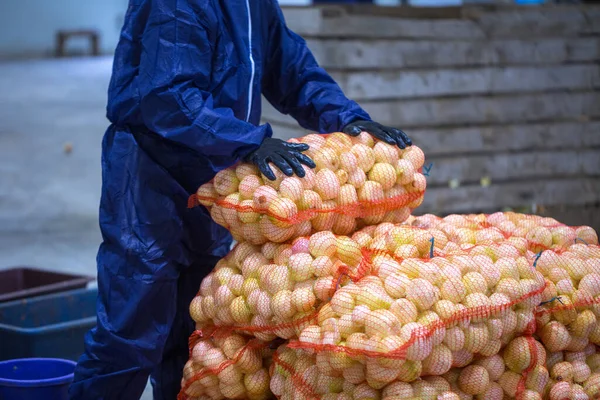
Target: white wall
(415,3)
(28,27)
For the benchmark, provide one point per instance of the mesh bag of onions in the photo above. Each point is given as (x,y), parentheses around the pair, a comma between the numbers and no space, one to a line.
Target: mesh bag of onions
(357,182)
(500,306)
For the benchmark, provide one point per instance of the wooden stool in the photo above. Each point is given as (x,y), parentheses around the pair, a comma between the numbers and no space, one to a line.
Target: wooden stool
(63,36)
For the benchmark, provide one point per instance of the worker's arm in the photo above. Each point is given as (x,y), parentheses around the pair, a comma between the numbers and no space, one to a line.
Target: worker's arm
(174,87)
(295,84)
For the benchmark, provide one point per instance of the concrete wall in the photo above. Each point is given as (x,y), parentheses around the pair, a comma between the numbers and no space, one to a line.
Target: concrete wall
(28,27)
(504,101)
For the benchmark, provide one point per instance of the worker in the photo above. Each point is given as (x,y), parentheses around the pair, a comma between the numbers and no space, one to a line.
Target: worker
(184,103)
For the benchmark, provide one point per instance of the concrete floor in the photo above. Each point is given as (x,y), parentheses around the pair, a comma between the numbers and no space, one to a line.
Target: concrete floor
(49,198)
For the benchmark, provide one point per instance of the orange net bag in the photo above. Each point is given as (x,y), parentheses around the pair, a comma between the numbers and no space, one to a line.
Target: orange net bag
(296,375)
(524,369)
(227,366)
(411,317)
(462,307)
(274,290)
(357,182)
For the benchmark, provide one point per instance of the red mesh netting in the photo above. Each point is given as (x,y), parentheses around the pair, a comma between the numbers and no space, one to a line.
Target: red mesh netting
(357,182)
(524,369)
(475,306)
(227,366)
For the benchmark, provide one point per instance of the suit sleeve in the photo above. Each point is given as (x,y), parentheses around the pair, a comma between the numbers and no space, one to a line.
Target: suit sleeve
(295,84)
(174,81)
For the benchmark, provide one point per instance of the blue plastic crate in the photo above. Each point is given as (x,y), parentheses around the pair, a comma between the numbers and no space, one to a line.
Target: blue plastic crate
(47,326)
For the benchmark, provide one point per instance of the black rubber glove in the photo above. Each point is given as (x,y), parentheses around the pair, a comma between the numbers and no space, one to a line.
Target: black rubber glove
(384,133)
(286,156)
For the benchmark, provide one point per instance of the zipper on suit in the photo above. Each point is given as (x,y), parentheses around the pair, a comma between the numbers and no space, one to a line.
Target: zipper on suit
(252,67)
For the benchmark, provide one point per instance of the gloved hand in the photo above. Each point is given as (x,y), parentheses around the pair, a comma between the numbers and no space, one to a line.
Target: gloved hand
(384,133)
(286,156)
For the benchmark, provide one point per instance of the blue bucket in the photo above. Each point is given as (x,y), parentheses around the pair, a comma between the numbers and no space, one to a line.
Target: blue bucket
(36,378)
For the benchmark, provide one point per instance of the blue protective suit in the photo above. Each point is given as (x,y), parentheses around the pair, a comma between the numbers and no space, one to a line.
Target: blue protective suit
(184,103)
